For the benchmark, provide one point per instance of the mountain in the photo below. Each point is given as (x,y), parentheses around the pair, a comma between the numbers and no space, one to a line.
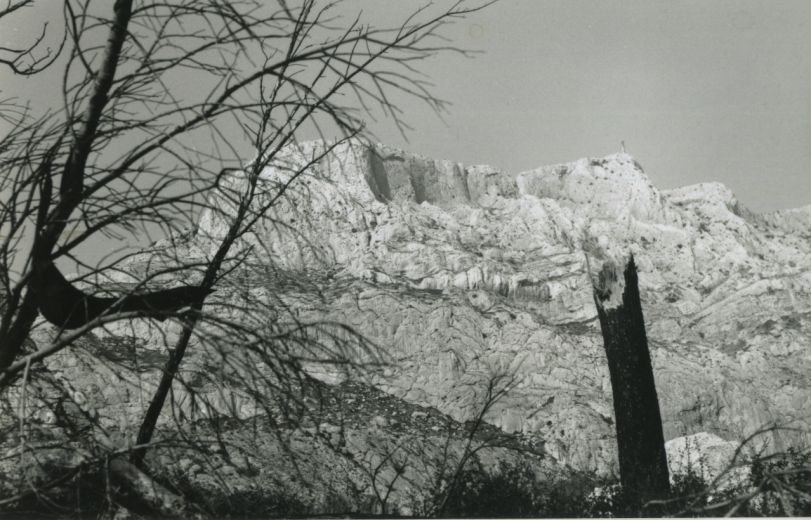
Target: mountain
(460,276)
(460,272)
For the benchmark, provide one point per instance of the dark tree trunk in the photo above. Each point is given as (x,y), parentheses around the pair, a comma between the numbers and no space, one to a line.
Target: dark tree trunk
(640,441)
(67,307)
(150,422)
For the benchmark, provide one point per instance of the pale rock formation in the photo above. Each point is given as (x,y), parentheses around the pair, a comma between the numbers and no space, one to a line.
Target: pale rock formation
(718,462)
(461,273)
(458,272)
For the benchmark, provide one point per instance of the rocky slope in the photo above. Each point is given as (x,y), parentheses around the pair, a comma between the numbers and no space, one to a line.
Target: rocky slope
(462,275)
(458,273)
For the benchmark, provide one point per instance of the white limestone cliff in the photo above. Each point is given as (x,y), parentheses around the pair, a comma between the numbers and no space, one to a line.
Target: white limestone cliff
(459,273)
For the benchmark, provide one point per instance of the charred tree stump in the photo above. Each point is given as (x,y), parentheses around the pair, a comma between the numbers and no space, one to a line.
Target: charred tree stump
(640,440)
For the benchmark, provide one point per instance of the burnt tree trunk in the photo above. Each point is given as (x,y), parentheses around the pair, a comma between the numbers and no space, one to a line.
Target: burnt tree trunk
(640,441)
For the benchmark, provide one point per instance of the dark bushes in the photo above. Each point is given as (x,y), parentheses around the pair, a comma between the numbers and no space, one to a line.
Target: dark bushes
(514,491)
(778,485)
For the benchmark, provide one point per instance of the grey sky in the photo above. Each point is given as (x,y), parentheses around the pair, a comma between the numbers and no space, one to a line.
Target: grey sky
(699,90)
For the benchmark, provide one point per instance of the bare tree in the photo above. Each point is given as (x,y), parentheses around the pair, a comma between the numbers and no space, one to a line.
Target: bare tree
(270,71)
(129,152)
(27,58)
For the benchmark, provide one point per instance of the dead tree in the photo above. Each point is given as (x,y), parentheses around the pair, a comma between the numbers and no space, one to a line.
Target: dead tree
(640,440)
(130,151)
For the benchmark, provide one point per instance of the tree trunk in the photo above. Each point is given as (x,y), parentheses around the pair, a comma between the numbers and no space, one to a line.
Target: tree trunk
(150,422)
(640,441)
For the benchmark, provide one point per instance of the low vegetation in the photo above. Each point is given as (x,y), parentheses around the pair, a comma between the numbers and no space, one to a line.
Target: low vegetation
(777,485)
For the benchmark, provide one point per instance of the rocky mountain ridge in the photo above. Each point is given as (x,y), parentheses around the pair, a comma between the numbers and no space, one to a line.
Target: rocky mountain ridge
(459,276)
(460,272)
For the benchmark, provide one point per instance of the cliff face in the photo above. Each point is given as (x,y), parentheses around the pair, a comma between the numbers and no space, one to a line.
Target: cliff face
(458,273)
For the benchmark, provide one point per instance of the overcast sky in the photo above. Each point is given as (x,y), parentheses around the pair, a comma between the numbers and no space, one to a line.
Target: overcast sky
(698,90)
